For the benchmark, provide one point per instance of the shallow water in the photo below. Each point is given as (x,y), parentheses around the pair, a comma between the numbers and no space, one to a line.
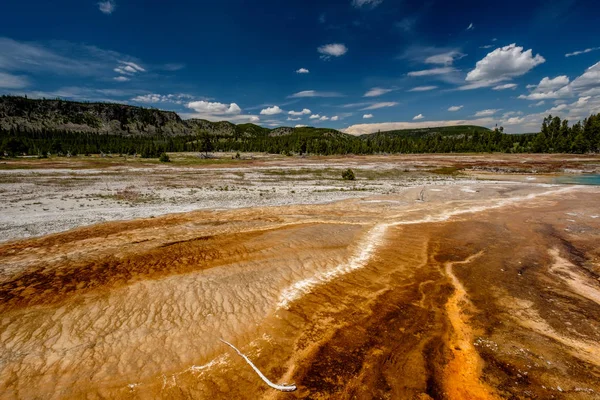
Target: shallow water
(590,179)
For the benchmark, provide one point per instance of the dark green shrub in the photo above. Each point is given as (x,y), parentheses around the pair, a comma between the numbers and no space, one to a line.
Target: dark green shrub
(348,175)
(164,157)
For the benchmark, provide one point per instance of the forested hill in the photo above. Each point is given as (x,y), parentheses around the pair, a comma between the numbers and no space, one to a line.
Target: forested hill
(37,115)
(58,127)
(20,114)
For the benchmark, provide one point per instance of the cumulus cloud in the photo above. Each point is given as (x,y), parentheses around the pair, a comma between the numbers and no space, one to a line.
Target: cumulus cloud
(305,111)
(446,58)
(548,89)
(314,93)
(505,86)
(432,71)
(486,113)
(271,111)
(324,118)
(107,7)
(502,64)
(376,106)
(332,50)
(589,80)
(576,53)
(121,78)
(422,88)
(9,81)
(418,117)
(205,107)
(454,108)
(547,84)
(302,71)
(513,121)
(315,116)
(557,108)
(300,126)
(293,119)
(376,91)
(335,118)
(367,116)
(366,3)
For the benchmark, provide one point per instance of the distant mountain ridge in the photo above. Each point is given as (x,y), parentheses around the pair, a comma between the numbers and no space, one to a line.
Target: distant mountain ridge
(23,114)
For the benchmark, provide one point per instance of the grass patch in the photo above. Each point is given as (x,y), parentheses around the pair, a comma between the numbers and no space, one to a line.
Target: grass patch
(446,171)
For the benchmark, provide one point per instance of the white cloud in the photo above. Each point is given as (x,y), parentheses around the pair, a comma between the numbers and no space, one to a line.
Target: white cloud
(315,116)
(293,119)
(454,108)
(589,80)
(505,86)
(549,89)
(547,84)
(422,88)
(539,103)
(487,46)
(502,64)
(302,71)
(335,118)
(418,117)
(300,126)
(486,113)
(559,107)
(58,57)
(513,121)
(470,27)
(9,81)
(154,98)
(127,68)
(368,3)
(367,116)
(446,58)
(376,91)
(314,93)
(133,66)
(271,111)
(305,111)
(107,7)
(83,93)
(360,129)
(205,107)
(587,84)
(332,50)
(376,106)
(432,71)
(576,53)
(324,118)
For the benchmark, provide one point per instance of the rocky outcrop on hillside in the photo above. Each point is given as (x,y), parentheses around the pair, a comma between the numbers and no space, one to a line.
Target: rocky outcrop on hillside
(21,113)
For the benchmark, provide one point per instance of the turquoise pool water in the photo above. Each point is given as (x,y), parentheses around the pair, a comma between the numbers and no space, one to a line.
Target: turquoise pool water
(579,179)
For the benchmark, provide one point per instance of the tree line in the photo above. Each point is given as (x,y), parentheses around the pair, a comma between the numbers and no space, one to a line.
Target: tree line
(555,136)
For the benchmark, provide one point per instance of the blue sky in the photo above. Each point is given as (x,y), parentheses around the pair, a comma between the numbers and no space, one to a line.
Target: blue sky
(354,65)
